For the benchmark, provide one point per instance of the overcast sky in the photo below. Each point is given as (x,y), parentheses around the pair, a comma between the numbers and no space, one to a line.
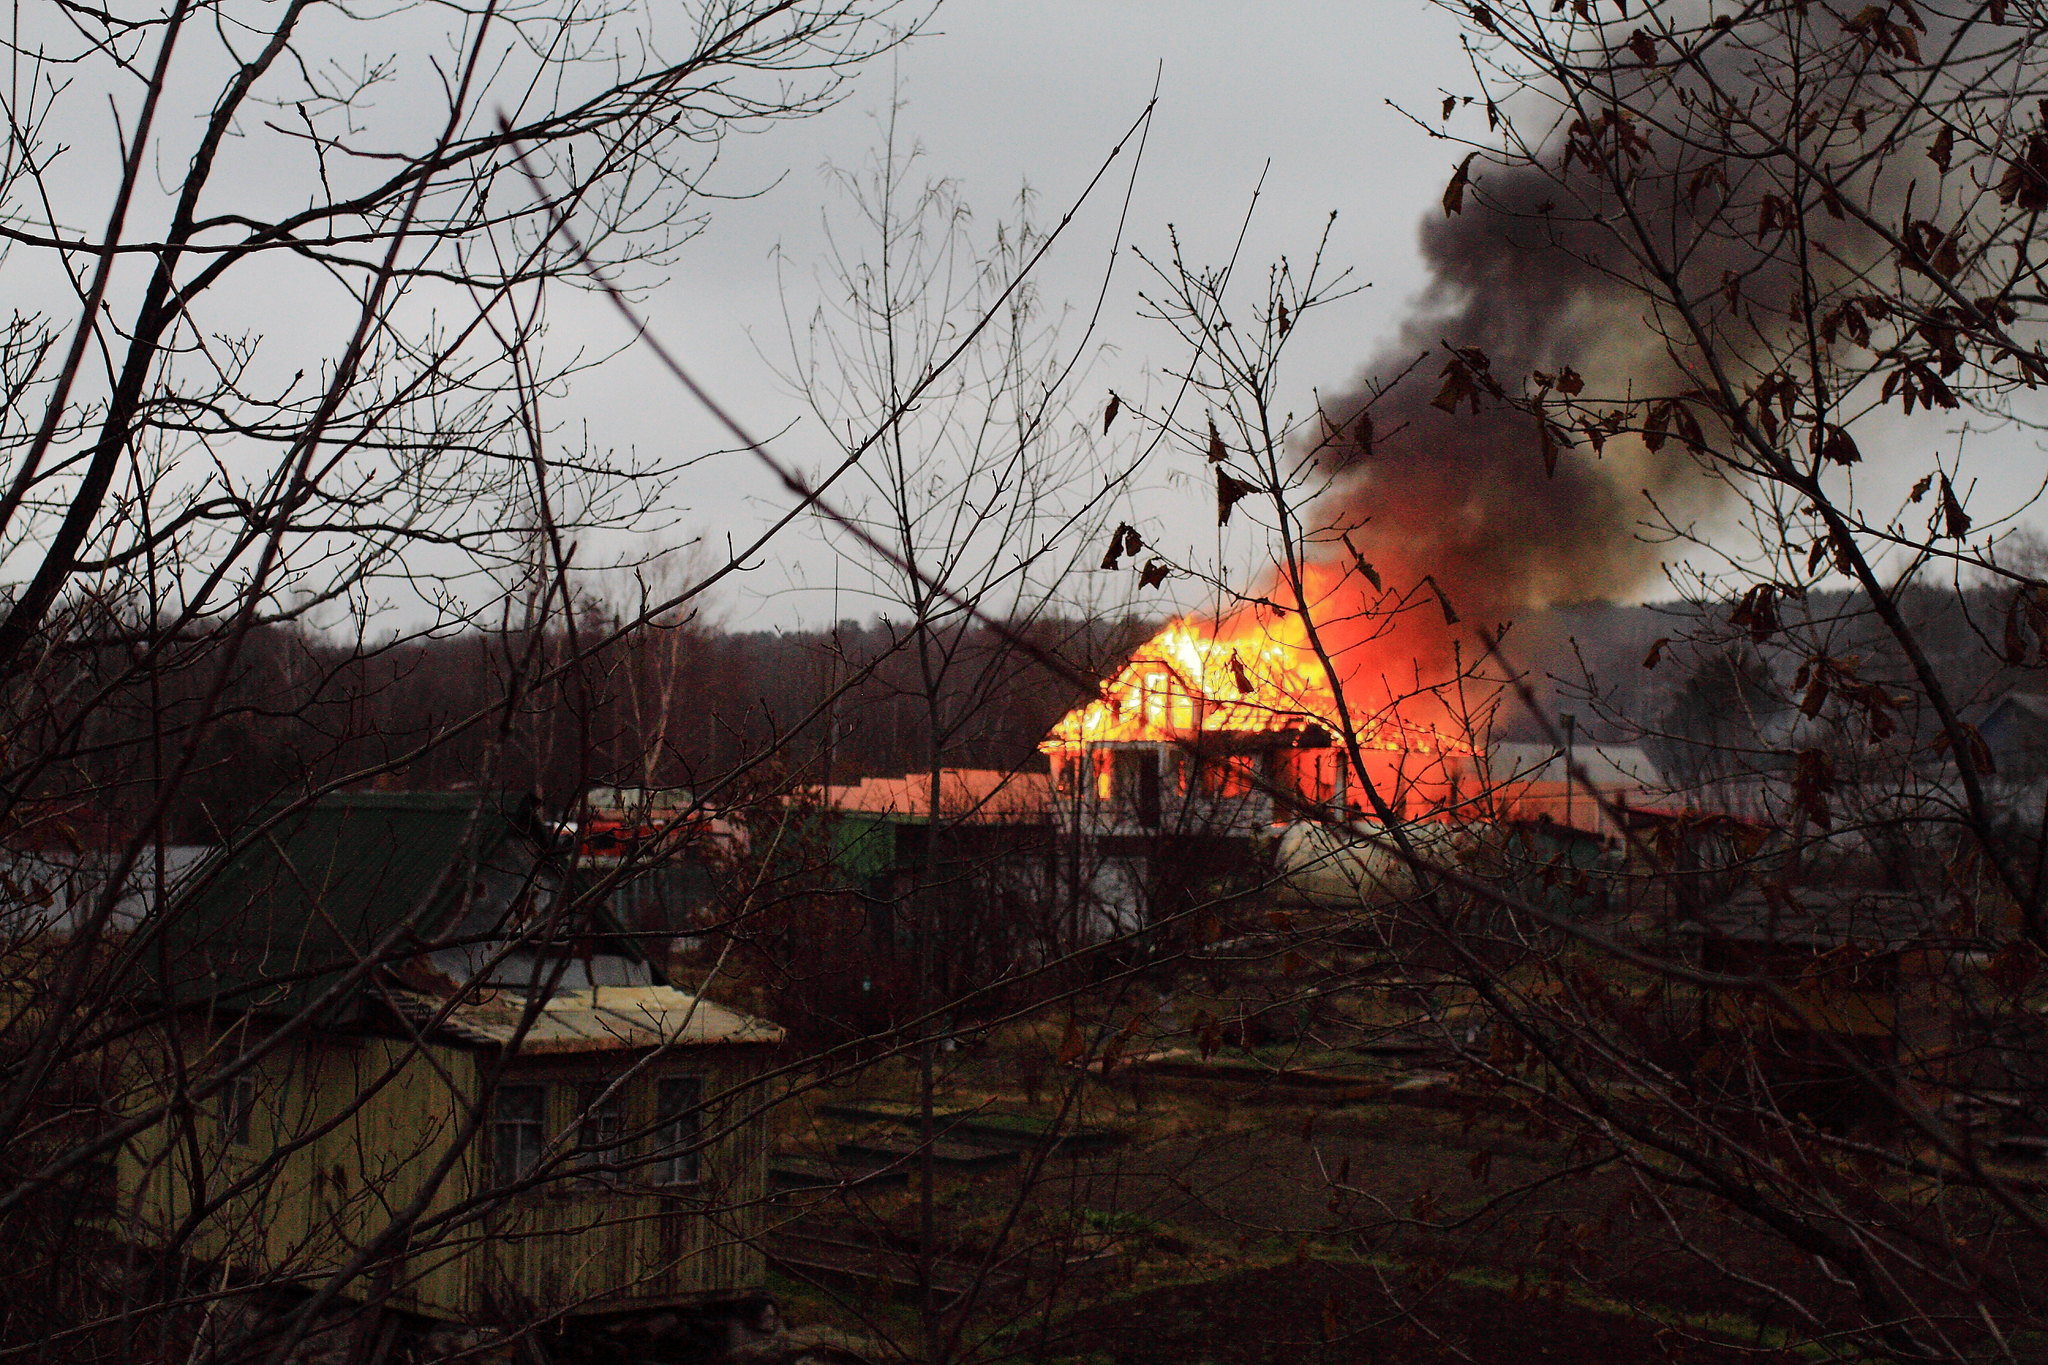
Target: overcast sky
(1307,96)
(1000,95)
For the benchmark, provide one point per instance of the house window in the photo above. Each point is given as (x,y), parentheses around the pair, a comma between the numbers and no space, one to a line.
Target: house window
(1229,775)
(1152,686)
(1137,782)
(518,1131)
(1064,770)
(238,1109)
(600,1124)
(678,1102)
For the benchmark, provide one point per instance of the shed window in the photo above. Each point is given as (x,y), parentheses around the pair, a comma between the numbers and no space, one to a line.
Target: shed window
(238,1109)
(518,1131)
(601,1123)
(678,1116)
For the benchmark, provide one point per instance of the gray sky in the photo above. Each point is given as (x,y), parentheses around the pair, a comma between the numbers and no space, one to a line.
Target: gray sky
(1004,94)
(1305,97)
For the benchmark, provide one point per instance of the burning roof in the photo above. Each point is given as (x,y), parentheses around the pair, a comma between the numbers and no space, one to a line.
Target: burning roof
(1245,676)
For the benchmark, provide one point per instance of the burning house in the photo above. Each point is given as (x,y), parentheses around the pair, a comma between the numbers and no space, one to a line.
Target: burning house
(1227,733)
(1219,752)
(1208,739)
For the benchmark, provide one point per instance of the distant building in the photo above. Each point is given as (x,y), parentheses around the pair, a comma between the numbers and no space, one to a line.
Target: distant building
(656,858)
(1171,780)
(2015,733)
(56,892)
(1588,787)
(1868,986)
(990,853)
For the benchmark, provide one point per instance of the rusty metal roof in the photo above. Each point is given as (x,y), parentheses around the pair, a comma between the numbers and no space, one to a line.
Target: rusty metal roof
(603,1019)
(970,795)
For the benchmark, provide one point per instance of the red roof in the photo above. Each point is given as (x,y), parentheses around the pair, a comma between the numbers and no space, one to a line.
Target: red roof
(977,795)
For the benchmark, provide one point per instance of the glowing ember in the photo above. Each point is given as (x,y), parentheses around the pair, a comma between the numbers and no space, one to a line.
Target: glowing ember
(1242,677)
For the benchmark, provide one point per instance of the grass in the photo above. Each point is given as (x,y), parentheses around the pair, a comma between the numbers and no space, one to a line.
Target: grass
(1028,1124)
(1119,1222)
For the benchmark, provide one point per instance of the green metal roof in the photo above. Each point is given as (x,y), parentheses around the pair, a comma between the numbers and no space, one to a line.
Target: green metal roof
(864,845)
(278,914)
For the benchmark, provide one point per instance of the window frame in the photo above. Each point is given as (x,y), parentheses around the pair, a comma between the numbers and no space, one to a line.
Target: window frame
(237,1110)
(678,1127)
(600,1121)
(502,1171)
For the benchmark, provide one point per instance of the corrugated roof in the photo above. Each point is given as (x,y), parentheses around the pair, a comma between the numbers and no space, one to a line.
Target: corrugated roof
(1603,765)
(605,1019)
(973,795)
(273,917)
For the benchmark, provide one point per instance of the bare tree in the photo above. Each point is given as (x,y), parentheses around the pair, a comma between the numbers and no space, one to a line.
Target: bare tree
(279,366)
(1710,263)
(985,497)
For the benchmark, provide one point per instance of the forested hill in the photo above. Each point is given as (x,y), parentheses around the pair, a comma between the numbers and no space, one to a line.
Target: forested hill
(759,709)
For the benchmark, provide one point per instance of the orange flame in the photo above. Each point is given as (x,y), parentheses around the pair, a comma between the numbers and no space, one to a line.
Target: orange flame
(1243,676)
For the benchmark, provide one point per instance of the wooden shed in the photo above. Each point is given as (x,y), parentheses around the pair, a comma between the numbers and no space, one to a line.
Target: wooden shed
(446,1071)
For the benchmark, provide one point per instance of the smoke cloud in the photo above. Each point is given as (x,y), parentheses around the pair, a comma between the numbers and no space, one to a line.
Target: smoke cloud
(1467,497)
(1542,272)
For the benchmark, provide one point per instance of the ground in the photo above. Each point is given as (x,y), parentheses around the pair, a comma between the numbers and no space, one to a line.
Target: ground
(1254,1227)
(1316,1312)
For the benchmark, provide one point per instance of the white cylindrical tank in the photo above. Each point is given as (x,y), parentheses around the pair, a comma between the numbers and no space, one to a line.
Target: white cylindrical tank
(1347,864)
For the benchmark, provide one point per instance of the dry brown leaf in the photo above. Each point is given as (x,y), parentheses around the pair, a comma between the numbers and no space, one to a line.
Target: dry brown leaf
(1458,387)
(1454,193)
(1813,778)
(1371,574)
(1443,599)
(1239,676)
(1955,521)
(1072,1045)
(1123,541)
(1836,445)
(1229,492)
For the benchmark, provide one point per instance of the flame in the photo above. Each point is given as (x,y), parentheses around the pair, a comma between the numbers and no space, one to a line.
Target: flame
(1246,676)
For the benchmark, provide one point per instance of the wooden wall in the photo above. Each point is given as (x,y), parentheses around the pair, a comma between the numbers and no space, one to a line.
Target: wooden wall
(365,1124)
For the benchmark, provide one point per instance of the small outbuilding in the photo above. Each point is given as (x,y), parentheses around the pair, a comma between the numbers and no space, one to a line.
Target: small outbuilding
(407,1047)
